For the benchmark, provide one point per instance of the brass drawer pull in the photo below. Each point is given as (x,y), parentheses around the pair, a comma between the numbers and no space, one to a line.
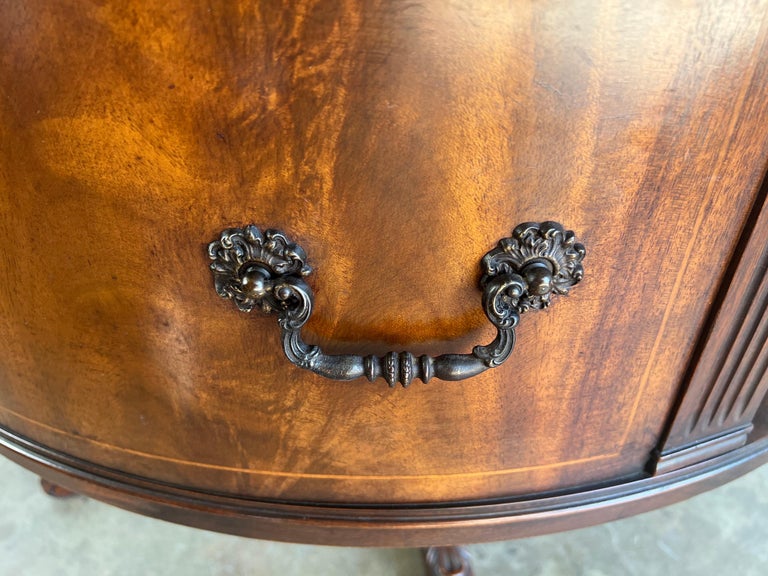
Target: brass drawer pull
(521,273)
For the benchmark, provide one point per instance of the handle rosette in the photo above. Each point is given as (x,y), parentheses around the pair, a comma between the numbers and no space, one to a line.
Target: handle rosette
(523,272)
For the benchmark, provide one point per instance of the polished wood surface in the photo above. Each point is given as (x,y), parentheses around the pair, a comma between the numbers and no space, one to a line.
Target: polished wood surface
(390,525)
(728,381)
(396,142)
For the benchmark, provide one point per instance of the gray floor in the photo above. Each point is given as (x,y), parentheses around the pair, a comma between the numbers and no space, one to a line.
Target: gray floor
(723,532)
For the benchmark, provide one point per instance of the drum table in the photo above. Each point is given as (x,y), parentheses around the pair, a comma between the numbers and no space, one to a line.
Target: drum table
(384,273)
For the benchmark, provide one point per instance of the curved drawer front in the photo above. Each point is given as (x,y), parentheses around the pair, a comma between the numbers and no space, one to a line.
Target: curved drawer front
(396,144)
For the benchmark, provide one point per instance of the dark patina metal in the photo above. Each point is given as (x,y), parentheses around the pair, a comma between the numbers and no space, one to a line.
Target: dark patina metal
(267,270)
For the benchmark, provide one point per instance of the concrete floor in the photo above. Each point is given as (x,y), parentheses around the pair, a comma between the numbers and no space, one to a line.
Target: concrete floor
(723,532)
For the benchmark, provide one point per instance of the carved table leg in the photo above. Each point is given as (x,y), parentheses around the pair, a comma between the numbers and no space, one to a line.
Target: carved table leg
(54,490)
(447,561)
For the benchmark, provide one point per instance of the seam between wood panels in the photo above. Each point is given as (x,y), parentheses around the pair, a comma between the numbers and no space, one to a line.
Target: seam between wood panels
(724,151)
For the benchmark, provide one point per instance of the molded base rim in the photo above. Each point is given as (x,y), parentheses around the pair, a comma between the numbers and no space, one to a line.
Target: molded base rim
(395,526)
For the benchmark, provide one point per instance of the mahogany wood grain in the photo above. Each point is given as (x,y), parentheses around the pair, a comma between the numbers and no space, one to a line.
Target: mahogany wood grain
(728,381)
(383,525)
(396,142)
